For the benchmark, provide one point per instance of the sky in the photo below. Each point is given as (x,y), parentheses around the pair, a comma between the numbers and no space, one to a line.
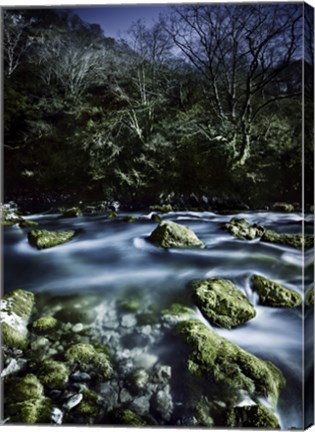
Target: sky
(115,20)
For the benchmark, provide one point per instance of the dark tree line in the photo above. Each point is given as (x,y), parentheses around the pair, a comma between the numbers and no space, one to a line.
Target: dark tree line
(208,101)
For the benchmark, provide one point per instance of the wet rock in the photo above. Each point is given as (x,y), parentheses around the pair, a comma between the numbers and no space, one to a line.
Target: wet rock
(110,393)
(13,367)
(138,380)
(27,223)
(309,297)
(140,405)
(73,401)
(53,373)
(43,239)
(252,416)
(78,328)
(128,320)
(202,412)
(242,229)
(162,404)
(89,406)
(222,303)
(125,396)
(16,309)
(57,416)
(297,241)
(125,417)
(283,207)
(130,219)
(145,360)
(88,358)
(44,325)
(172,235)
(76,315)
(214,358)
(112,215)
(162,374)
(80,377)
(178,310)
(9,216)
(71,212)
(165,208)
(155,218)
(275,295)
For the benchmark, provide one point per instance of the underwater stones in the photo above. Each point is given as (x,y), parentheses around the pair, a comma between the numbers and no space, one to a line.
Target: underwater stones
(275,295)
(177,310)
(122,416)
(75,315)
(89,405)
(53,373)
(125,305)
(214,358)
(162,403)
(87,357)
(44,325)
(242,229)
(43,239)
(222,303)
(16,309)
(26,223)
(297,241)
(173,235)
(71,212)
(257,416)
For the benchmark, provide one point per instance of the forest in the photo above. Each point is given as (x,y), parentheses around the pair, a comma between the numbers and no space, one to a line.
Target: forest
(206,102)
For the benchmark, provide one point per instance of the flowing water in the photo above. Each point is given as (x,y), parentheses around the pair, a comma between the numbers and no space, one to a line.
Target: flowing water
(112,258)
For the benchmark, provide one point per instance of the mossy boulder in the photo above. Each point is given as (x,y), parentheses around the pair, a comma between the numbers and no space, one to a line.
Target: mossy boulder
(275,295)
(215,359)
(89,358)
(309,297)
(178,310)
(43,239)
(90,405)
(125,417)
(155,218)
(26,223)
(45,325)
(283,207)
(16,309)
(165,208)
(20,389)
(53,373)
(72,212)
(222,303)
(128,305)
(252,416)
(242,229)
(297,241)
(173,235)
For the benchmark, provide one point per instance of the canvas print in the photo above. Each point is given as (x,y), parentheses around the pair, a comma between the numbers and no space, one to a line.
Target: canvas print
(157,215)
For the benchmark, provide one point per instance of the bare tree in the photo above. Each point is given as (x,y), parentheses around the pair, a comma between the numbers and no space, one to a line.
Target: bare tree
(240,50)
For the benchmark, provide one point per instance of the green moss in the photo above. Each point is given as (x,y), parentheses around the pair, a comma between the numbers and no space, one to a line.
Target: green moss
(297,241)
(19,302)
(283,207)
(43,239)
(27,387)
(170,234)
(90,404)
(222,303)
(213,358)
(27,223)
(309,298)
(121,416)
(257,416)
(129,219)
(31,411)
(202,413)
(274,294)
(87,356)
(132,305)
(53,373)
(177,310)
(71,212)
(242,229)
(165,208)
(112,215)
(45,325)
(13,338)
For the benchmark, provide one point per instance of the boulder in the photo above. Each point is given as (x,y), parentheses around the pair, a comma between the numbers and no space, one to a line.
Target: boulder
(43,239)
(16,309)
(165,208)
(215,359)
(173,235)
(242,229)
(283,207)
(222,303)
(44,325)
(71,212)
(297,241)
(252,416)
(275,295)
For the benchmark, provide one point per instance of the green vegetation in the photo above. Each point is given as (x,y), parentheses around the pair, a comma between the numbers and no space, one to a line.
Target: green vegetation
(43,239)
(44,325)
(170,234)
(257,416)
(274,294)
(52,373)
(86,355)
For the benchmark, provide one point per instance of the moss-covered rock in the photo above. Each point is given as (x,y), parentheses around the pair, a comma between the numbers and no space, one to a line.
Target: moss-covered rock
(43,239)
(202,413)
(242,229)
(215,359)
(125,417)
(222,303)
(128,305)
(297,241)
(172,235)
(283,207)
(156,218)
(112,215)
(89,406)
(309,297)
(8,217)
(44,325)
(252,416)
(178,310)
(53,373)
(16,309)
(20,389)
(26,223)
(75,315)
(87,357)
(30,411)
(165,208)
(130,219)
(72,212)
(275,295)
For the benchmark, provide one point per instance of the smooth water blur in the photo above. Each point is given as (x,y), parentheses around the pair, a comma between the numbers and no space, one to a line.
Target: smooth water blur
(111,257)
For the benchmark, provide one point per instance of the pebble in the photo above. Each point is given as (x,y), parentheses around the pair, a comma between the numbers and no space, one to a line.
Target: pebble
(57,416)
(80,376)
(73,401)
(77,328)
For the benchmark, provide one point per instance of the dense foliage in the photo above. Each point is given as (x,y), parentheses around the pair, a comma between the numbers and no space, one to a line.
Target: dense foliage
(207,101)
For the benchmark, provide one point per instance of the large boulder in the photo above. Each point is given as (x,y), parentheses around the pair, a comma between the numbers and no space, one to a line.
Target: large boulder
(216,360)
(173,235)
(242,229)
(275,295)
(222,303)
(16,309)
(43,239)
(252,416)
(297,241)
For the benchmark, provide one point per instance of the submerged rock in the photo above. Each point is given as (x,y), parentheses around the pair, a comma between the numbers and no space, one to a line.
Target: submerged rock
(43,239)
(242,229)
(16,309)
(214,358)
(72,212)
(257,416)
(297,241)
(222,303)
(171,235)
(275,295)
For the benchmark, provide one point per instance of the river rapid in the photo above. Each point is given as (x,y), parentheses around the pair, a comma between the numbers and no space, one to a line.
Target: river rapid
(113,259)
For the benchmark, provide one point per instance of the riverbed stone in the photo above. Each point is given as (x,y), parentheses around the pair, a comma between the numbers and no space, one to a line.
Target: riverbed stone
(162,403)
(44,239)
(252,416)
(44,325)
(213,358)
(170,234)
(222,303)
(16,310)
(274,294)
(242,229)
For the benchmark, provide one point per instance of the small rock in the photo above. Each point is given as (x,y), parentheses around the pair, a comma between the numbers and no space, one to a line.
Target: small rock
(141,405)
(162,374)
(128,320)
(80,376)
(145,360)
(57,416)
(163,403)
(73,401)
(13,366)
(125,396)
(77,328)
